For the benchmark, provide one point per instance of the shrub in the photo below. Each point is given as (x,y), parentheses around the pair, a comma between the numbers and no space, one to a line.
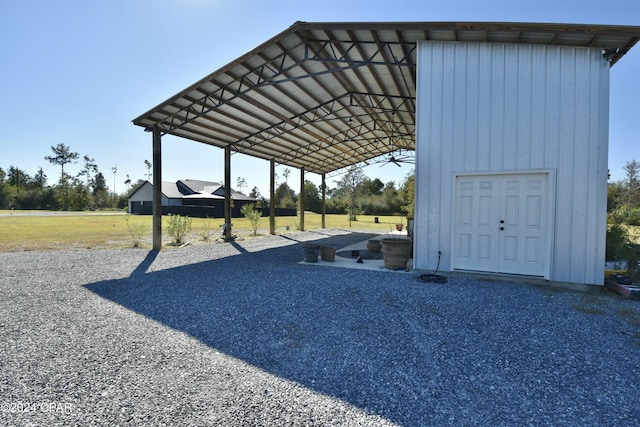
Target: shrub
(136,231)
(624,215)
(178,228)
(252,215)
(205,230)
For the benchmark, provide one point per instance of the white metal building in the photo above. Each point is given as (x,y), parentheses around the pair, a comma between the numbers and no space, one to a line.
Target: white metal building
(511,151)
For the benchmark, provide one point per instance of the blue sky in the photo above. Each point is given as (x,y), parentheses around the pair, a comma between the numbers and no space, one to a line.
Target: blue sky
(77,72)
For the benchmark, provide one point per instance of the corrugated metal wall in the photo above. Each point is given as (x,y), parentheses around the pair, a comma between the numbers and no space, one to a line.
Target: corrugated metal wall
(486,107)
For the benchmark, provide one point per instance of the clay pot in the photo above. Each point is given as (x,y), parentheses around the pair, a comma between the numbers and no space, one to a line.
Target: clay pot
(374,246)
(396,253)
(327,253)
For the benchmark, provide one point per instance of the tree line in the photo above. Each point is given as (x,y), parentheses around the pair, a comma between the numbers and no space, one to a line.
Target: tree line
(86,190)
(623,201)
(623,210)
(354,194)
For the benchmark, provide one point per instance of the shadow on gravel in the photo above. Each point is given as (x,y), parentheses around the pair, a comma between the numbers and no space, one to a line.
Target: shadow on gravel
(336,331)
(145,264)
(463,353)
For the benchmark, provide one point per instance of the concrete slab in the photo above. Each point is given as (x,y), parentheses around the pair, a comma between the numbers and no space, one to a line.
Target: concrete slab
(367,264)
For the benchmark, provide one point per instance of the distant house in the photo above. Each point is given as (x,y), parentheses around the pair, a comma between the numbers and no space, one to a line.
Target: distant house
(188,197)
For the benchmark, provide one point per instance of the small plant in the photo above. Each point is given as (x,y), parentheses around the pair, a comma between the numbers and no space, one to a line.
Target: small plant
(178,228)
(205,230)
(136,231)
(252,215)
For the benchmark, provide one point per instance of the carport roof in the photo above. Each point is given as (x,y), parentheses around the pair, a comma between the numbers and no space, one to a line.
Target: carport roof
(323,96)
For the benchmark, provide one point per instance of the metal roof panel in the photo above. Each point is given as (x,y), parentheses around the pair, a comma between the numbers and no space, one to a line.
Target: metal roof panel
(322,96)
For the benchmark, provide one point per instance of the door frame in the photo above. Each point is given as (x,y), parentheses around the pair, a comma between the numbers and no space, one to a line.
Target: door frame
(550,216)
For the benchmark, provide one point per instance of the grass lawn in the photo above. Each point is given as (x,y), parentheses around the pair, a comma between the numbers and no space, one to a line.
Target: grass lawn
(97,230)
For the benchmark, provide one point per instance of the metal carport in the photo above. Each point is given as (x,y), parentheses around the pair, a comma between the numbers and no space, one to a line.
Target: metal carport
(323,96)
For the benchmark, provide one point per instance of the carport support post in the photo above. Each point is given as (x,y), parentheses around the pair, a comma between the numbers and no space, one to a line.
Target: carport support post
(301,198)
(157,189)
(272,198)
(227,193)
(324,197)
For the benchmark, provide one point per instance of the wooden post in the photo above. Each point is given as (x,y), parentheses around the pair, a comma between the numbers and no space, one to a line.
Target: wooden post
(301,199)
(324,197)
(157,189)
(227,193)
(272,198)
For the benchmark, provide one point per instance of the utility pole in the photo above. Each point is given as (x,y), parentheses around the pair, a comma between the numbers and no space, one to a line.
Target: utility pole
(114,169)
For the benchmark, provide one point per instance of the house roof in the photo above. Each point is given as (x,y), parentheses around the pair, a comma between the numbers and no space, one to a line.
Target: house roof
(194,189)
(201,186)
(203,195)
(323,96)
(234,194)
(210,188)
(170,189)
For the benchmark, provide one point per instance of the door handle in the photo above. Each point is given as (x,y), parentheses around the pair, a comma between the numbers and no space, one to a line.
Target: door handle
(501,228)
(502,221)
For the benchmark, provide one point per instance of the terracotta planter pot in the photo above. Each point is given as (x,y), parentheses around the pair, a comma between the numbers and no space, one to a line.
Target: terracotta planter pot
(374,245)
(396,253)
(327,253)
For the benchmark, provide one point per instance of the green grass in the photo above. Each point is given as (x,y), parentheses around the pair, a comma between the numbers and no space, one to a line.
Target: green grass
(59,232)
(93,230)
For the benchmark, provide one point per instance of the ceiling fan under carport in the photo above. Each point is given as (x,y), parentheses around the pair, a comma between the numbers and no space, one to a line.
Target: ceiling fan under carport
(398,159)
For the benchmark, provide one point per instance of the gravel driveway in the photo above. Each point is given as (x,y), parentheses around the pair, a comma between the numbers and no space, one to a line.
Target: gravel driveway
(241,334)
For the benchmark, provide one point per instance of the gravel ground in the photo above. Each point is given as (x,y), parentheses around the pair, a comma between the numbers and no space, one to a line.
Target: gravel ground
(241,334)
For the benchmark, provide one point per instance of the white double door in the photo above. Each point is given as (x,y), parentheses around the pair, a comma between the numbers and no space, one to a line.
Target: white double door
(501,223)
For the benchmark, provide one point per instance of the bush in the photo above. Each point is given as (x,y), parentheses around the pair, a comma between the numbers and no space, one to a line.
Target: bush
(178,228)
(617,241)
(624,215)
(136,231)
(252,215)
(205,230)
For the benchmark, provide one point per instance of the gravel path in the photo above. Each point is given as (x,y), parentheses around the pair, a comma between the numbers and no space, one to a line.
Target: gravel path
(241,334)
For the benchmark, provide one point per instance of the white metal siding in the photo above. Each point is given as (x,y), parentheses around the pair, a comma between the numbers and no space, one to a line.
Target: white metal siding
(486,108)
(142,194)
(145,194)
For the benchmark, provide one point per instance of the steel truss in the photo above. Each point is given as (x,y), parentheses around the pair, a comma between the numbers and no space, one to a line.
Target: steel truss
(330,110)
(281,65)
